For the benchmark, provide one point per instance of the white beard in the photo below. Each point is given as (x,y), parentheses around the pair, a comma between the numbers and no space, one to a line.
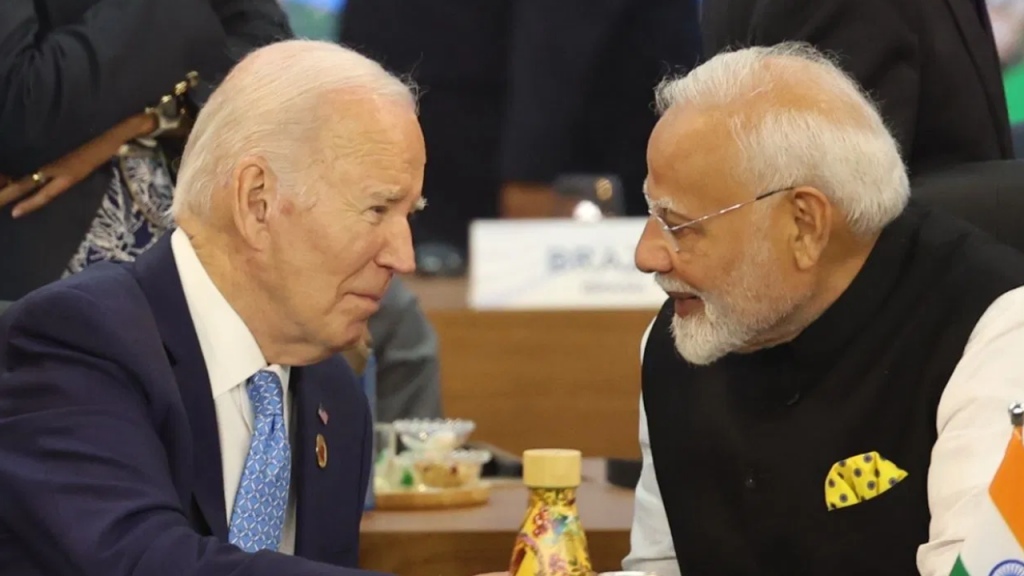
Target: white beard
(752,303)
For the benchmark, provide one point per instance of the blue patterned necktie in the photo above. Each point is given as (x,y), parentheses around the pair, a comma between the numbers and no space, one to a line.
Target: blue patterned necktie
(258,515)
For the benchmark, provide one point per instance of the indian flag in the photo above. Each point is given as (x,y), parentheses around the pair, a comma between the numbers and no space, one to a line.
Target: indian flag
(997,546)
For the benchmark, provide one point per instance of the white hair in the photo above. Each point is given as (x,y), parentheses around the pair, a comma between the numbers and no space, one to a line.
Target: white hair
(268,107)
(837,142)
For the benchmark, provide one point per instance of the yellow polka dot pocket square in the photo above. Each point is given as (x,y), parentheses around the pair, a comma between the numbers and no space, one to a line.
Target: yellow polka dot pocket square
(862,477)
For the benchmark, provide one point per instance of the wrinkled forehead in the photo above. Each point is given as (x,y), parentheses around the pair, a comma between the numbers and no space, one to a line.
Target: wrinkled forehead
(378,151)
(693,162)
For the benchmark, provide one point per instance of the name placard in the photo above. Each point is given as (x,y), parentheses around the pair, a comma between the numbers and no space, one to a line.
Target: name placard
(558,264)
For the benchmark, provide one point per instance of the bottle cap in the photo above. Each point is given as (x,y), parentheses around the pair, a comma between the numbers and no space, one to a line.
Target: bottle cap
(552,468)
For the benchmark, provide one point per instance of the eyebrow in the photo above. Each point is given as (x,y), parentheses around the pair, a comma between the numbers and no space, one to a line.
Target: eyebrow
(665,204)
(387,195)
(394,196)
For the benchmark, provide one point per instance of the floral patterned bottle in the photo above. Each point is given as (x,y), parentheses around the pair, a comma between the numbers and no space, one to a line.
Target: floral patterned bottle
(551,541)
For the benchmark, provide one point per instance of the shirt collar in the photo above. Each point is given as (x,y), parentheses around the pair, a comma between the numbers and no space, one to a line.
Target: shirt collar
(229,348)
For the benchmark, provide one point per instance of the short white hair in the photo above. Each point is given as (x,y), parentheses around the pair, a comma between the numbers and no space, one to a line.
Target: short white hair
(268,106)
(838,144)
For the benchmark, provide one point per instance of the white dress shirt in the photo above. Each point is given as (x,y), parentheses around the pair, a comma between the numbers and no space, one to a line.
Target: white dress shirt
(232,357)
(973,430)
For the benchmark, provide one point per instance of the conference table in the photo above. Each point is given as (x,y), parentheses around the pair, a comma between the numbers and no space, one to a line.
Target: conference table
(468,541)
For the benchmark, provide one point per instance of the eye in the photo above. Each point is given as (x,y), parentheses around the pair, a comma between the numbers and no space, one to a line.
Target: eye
(687,235)
(665,216)
(672,220)
(380,210)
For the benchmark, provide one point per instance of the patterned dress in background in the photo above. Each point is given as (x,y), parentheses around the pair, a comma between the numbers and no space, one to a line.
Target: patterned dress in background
(135,211)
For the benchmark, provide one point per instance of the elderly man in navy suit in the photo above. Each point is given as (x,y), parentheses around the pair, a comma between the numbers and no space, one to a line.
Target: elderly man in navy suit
(187,415)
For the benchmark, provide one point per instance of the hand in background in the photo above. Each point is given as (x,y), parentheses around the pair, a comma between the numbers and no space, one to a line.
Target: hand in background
(55,178)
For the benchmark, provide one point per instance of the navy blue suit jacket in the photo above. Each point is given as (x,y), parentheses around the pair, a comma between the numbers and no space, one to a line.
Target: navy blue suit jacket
(109,452)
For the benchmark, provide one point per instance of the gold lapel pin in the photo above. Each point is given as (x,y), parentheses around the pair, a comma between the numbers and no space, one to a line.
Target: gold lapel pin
(321,451)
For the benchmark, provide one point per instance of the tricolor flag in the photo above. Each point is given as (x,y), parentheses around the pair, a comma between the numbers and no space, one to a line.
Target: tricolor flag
(996,548)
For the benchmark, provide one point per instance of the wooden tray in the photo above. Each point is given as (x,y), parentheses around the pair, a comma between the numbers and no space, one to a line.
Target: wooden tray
(433,499)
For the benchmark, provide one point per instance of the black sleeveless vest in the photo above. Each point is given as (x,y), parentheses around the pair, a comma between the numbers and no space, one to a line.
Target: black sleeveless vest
(742,447)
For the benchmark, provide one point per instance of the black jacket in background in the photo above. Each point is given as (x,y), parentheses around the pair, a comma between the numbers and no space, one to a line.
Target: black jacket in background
(521,90)
(72,69)
(932,65)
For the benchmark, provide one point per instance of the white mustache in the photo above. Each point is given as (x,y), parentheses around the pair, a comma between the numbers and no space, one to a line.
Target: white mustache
(670,284)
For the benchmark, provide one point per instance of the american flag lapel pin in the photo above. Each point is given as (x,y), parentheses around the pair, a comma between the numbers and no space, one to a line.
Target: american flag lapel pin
(323,414)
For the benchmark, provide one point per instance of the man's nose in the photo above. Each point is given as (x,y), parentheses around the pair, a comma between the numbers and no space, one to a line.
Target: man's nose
(652,251)
(398,253)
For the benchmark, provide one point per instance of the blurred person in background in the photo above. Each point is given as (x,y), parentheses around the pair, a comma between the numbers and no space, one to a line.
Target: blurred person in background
(932,66)
(75,79)
(1008,27)
(406,378)
(516,93)
(408,366)
(314,19)
(1007,17)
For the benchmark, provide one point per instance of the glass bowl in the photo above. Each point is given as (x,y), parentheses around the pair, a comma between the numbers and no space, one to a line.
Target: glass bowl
(458,469)
(437,436)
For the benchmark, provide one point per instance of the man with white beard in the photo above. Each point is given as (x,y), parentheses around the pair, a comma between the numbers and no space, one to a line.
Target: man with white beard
(824,392)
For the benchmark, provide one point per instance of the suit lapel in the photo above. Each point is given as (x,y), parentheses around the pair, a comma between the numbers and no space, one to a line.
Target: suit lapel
(157,274)
(307,476)
(325,495)
(977,36)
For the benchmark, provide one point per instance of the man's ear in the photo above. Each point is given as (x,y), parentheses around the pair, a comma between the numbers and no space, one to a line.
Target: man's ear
(253,194)
(812,216)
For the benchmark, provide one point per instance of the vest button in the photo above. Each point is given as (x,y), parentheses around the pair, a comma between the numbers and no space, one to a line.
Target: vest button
(750,482)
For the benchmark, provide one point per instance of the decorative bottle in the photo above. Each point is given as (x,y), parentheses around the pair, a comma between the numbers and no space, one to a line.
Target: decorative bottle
(551,540)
